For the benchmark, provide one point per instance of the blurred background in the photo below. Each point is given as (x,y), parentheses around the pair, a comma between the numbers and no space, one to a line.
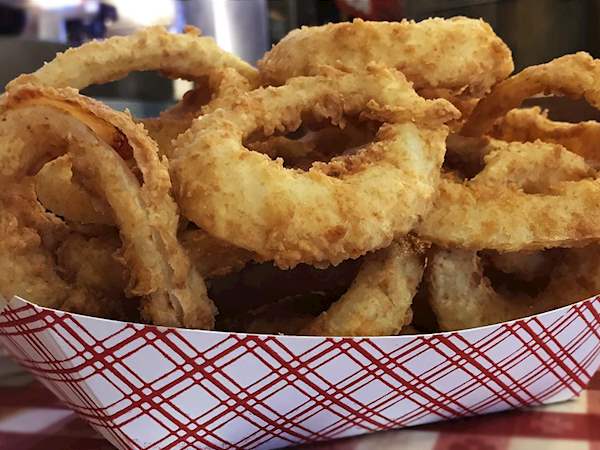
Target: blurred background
(32,31)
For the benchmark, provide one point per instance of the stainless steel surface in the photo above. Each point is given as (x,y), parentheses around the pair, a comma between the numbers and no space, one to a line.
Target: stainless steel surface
(239,26)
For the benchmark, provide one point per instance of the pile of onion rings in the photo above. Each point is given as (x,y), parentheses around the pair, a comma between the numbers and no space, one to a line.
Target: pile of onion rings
(369,178)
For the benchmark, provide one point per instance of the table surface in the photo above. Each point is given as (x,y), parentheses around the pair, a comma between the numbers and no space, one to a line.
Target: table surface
(32,419)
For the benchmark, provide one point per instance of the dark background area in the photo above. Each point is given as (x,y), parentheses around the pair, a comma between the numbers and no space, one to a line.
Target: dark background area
(536,30)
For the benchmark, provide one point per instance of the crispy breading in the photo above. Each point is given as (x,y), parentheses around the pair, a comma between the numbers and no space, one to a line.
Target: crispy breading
(378,301)
(461,55)
(531,124)
(463,297)
(529,196)
(160,271)
(574,76)
(336,210)
(186,55)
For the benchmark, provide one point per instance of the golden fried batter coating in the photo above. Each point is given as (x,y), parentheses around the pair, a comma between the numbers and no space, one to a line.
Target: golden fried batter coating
(460,55)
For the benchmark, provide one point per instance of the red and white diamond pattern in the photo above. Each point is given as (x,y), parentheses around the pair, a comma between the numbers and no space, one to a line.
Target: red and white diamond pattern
(145,387)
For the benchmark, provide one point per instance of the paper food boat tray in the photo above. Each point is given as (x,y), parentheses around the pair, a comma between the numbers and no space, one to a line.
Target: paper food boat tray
(146,387)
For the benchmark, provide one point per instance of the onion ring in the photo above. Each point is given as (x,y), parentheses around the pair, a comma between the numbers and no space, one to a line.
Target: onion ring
(464,103)
(94,263)
(488,160)
(573,76)
(524,199)
(463,297)
(379,300)
(352,211)
(25,268)
(89,257)
(460,54)
(459,292)
(213,257)
(530,124)
(534,170)
(173,293)
(67,198)
(215,93)
(186,55)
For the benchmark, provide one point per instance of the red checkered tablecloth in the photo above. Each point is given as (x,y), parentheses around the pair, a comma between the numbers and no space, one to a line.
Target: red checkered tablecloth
(32,419)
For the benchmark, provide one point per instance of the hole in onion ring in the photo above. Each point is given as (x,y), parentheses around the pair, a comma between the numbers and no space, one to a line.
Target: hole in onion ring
(464,156)
(315,141)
